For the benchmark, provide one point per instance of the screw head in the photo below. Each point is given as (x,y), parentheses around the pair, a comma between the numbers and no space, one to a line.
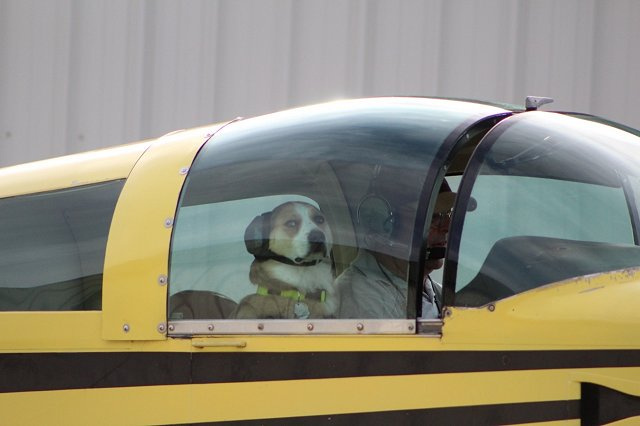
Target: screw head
(162,279)
(126,328)
(360,326)
(162,327)
(184,170)
(260,326)
(168,222)
(210,327)
(310,327)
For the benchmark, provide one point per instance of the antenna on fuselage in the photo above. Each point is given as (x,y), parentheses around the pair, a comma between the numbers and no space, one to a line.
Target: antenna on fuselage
(532,103)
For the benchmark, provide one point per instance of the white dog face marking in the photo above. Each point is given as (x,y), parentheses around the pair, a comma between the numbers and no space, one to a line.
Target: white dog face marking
(299,232)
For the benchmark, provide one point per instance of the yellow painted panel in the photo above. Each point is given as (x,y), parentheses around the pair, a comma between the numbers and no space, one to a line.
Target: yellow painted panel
(72,170)
(631,421)
(235,401)
(137,255)
(82,331)
(49,331)
(556,423)
(79,331)
(593,311)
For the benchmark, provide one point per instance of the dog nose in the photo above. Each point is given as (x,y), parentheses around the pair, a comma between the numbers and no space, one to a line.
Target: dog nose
(316,237)
(317,242)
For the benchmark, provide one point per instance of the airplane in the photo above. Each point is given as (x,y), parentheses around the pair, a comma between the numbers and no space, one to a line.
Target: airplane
(279,270)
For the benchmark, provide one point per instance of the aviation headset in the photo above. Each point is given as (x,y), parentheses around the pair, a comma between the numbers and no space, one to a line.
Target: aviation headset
(256,236)
(377,217)
(375,214)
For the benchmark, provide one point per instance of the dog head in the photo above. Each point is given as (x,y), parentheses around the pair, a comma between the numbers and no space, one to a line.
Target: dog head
(295,230)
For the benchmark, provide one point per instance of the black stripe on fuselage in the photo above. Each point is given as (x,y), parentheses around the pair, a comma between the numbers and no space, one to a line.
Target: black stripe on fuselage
(21,372)
(498,414)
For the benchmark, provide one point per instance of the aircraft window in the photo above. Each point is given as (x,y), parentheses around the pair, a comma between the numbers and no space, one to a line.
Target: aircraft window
(211,264)
(634,189)
(52,248)
(498,237)
(277,256)
(375,284)
(453,181)
(551,205)
(358,219)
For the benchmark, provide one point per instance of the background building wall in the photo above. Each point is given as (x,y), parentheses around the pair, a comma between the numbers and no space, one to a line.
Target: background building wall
(77,75)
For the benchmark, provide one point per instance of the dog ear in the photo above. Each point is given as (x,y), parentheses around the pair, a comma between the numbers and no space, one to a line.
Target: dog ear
(256,236)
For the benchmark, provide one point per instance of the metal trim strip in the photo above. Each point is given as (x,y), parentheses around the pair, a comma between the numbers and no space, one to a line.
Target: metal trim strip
(284,326)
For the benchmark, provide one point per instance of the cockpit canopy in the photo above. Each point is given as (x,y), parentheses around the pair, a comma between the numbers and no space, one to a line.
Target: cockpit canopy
(553,196)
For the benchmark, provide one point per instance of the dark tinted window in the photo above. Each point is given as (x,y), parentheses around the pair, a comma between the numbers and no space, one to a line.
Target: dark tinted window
(52,248)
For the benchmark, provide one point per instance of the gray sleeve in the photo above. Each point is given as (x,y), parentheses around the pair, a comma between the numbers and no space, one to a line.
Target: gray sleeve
(367,297)
(429,308)
(358,298)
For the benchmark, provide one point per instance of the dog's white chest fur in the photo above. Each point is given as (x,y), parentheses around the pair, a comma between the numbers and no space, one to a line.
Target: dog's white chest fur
(307,279)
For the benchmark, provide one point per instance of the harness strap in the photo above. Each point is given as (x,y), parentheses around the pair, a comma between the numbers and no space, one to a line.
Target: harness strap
(273,256)
(293,294)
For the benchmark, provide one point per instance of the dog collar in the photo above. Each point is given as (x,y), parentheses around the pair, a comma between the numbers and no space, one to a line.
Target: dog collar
(293,294)
(286,260)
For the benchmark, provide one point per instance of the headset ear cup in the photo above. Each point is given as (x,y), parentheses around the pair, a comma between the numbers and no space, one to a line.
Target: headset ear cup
(256,236)
(376,216)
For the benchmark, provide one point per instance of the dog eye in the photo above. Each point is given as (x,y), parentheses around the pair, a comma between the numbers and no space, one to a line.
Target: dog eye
(291,224)
(319,219)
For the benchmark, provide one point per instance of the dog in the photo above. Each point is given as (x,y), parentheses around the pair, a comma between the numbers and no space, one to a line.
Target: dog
(292,268)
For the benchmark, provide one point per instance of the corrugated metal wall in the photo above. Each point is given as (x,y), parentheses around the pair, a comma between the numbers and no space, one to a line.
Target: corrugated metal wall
(77,75)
